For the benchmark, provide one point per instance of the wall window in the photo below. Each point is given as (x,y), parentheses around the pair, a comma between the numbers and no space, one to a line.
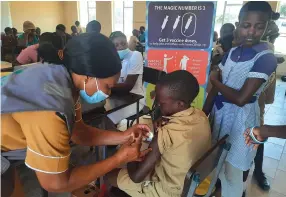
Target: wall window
(87,12)
(123,16)
(281,23)
(227,12)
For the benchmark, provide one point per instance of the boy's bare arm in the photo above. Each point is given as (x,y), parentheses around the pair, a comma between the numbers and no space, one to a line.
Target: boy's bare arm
(139,170)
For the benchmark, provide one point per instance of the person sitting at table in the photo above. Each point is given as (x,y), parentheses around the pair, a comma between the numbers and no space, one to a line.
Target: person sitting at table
(8,31)
(29,36)
(61,31)
(8,45)
(93,26)
(176,145)
(41,113)
(130,78)
(30,54)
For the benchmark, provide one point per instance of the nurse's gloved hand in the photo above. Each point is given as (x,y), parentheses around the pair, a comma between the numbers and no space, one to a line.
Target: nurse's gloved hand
(142,129)
(130,151)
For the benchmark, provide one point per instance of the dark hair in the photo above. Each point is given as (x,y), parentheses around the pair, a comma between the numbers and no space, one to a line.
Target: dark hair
(256,6)
(61,27)
(8,29)
(93,26)
(181,85)
(275,16)
(72,27)
(77,22)
(226,29)
(93,55)
(135,32)
(14,29)
(142,28)
(116,34)
(226,42)
(49,46)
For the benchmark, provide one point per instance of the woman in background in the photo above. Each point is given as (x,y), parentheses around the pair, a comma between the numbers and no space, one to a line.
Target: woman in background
(130,78)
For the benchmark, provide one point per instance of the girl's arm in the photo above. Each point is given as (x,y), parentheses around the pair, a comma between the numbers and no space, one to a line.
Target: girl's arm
(209,103)
(242,96)
(263,67)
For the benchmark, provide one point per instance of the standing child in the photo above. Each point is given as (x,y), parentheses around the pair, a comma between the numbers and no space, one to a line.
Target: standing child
(244,71)
(176,146)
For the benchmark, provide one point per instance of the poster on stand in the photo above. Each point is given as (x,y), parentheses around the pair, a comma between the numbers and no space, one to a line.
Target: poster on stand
(179,36)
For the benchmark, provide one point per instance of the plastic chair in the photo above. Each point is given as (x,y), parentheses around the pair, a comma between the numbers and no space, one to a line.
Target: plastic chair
(210,161)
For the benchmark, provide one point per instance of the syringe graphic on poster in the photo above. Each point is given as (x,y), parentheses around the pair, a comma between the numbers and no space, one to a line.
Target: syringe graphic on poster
(164,23)
(176,23)
(188,23)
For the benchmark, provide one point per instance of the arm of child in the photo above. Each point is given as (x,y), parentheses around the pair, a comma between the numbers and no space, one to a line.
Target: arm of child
(261,70)
(139,170)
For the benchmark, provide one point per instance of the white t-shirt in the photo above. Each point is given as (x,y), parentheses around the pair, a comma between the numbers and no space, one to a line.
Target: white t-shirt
(133,65)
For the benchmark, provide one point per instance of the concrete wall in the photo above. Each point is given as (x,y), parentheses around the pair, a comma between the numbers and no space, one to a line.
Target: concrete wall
(44,14)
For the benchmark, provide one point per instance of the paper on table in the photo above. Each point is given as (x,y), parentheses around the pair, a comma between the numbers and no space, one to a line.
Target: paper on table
(5,65)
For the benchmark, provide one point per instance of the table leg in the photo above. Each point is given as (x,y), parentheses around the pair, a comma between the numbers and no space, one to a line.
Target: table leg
(103,155)
(137,112)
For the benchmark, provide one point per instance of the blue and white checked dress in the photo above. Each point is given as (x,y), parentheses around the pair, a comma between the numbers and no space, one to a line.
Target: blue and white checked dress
(234,120)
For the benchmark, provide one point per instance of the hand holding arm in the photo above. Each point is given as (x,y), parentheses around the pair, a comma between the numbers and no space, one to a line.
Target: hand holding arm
(73,179)
(139,170)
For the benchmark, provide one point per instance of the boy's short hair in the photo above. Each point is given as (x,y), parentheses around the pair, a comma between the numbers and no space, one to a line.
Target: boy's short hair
(93,26)
(8,30)
(182,85)
(61,27)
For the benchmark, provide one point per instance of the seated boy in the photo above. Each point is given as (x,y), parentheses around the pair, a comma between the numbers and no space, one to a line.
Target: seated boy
(176,146)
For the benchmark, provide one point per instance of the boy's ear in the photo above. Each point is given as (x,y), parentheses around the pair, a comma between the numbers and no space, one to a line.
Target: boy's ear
(181,104)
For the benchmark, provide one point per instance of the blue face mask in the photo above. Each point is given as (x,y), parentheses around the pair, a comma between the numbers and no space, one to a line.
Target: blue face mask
(123,53)
(97,97)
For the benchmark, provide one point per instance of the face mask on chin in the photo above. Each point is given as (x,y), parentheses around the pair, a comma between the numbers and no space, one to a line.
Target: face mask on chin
(97,97)
(122,53)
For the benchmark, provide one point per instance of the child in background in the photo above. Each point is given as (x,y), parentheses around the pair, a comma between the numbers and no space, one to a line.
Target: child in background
(234,96)
(79,29)
(74,31)
(176,146)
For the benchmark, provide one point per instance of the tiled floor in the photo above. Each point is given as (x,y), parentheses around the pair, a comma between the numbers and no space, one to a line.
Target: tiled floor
(274,164)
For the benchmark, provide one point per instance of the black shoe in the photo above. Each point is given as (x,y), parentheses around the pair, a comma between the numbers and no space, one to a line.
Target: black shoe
(261,180)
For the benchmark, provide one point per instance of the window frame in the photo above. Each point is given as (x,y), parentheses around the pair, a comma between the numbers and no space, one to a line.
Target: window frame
(124,7)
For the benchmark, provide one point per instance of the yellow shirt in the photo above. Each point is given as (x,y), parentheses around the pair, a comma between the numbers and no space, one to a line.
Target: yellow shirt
(181,142)
(44,134)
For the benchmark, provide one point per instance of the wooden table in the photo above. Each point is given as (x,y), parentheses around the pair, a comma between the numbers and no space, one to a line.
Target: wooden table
(6,66)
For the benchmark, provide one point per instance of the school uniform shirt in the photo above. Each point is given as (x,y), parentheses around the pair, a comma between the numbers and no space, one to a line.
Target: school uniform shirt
(226,118)
(131,65)
(44,134)
(181,142)
(28,55)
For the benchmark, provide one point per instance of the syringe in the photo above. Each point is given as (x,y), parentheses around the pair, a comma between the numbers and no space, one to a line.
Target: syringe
(176,23)
(164,23)
(188,23)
